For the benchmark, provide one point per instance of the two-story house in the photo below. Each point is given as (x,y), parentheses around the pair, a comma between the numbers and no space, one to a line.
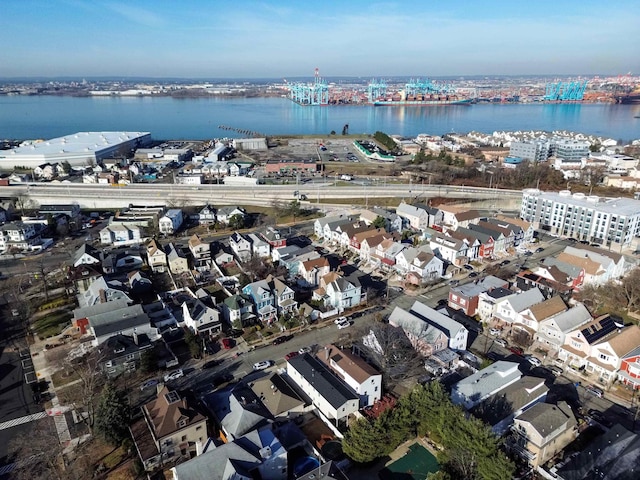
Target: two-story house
(283,295)
(543,431)
(476,388)
(425,337)
(263,298)
(365,380)
(200,318)
(339,292)
(201,252)
(456,332)
(629,372)
(176,261)
(206,215)
(312,271)
(171,221)
(259,247)
(449,249)
(416,217)
(465,297)
(168,430)
(509,309)
(606,355)
(553,330)
(274,238)
(156,258)
(122,353)
(241,246)
(225,213)
(238,310)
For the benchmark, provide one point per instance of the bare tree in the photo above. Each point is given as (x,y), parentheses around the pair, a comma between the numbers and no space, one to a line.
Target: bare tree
(37,453)
(24,202)
(390,349)
(83,395)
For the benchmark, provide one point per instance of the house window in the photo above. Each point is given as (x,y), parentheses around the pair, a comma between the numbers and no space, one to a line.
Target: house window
(604,357)
(199,427)
(184,438)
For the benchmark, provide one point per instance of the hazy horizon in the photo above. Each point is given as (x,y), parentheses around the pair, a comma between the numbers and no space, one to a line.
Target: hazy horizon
(197,39)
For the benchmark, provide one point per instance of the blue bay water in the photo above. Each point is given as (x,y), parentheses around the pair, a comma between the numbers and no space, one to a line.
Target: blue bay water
(29,117)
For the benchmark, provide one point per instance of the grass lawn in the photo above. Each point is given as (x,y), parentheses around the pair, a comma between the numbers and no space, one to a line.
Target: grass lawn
(51,325)
(61,378)
(416,464)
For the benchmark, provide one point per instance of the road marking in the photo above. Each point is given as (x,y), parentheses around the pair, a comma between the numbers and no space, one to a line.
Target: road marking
(21,420)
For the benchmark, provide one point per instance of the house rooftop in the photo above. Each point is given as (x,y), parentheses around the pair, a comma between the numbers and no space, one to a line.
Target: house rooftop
(546,418)
(347,362)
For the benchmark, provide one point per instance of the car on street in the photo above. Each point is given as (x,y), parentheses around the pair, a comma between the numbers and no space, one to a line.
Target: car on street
(599,417)
(290,355)
(340,320)
(149,383)
(262,365)
(505,262)
(211,364)
(501,341)
(528,253)
(227,343)
(473,274)
(345,324)
(539,250)
(304,350)
(454,283)
(557,371)
(516,350)
(176,374)
(466,266)
(594,391)
(494,331)
(282,339)
(533,360)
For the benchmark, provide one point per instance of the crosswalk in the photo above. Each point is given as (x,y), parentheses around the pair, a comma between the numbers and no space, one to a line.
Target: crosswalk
(19,421)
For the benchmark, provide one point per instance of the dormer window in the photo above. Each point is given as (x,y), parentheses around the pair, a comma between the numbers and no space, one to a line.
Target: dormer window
(182,423)
(118,350)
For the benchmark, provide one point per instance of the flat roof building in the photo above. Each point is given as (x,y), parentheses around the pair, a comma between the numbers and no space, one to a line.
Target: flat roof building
(591,218)
(78,149)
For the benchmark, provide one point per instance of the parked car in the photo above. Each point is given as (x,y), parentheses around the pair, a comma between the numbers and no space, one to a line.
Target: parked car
(148,384)
(466,266)
(211,364)
(539,250)
(528,253)
(557,371)
(304,350)
(345,324)
(227,343)
(594,391)
(282,339)
(473,274)
(494,331)
(262,365)
(533,360)
(340,320)
(176,374)
(501,341)
(599,417)
(505,262)
(290,355)
(494,356)
(516,350)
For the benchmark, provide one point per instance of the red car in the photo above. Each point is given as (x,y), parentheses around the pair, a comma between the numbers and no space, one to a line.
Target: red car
(516,350)
(227,343)
(290,355)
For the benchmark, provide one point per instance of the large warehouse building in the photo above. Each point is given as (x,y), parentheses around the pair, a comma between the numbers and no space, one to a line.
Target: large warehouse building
(78,149)
(607,221)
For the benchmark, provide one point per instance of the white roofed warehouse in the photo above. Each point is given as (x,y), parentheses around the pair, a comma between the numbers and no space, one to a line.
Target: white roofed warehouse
(79,149)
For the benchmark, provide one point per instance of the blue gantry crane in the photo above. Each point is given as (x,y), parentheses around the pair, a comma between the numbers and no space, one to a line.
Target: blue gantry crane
(565,91)
(316,93)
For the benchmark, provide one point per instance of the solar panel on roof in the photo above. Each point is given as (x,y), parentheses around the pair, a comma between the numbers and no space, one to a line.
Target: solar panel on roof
(593,333)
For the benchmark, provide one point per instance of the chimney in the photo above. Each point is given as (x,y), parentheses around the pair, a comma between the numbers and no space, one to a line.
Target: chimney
(103,296)
(135,336)
(326,352)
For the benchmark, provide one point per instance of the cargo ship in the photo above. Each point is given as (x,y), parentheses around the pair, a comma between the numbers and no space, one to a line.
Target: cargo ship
(632,97)
(412,103)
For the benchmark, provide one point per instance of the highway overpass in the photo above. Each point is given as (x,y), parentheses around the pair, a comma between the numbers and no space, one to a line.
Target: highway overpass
(99,196)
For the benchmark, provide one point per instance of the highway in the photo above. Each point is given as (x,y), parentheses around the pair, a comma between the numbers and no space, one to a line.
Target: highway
(106,196)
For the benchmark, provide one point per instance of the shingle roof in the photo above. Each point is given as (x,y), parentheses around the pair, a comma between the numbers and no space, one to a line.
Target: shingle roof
(546,309)
(352,364)
(164,413)
(330,387)
(448,325)
(572,318)
(546,418)
(626,340)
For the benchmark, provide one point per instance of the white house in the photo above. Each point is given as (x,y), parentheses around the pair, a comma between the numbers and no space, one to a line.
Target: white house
(241,246)
(553,330)
(416,217)
(448,249)
(365,380)
(117,234)
(475,388)
(200,318)
(171,221)
(457,333)
(334,399)
(259,247)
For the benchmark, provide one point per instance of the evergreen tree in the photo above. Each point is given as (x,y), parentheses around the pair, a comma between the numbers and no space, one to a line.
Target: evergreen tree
(379,222)
(112,415)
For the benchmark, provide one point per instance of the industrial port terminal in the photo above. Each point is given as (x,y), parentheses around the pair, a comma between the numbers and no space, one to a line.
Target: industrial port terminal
(425,92)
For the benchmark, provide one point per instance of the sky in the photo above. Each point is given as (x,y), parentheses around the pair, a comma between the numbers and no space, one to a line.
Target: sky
(280,39)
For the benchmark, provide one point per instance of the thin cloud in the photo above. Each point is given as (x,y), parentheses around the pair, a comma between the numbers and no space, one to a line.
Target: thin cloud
(140,16)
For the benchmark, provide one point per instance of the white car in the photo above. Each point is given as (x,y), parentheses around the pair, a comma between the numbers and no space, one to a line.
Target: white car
(533,361)
(261,365)
(173,375)
(340,320)
(501,341)
(494,332)
(345,324)
(304,350)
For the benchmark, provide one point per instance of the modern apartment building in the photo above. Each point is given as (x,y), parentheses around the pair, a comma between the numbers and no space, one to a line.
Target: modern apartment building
(534,151)
(606,221)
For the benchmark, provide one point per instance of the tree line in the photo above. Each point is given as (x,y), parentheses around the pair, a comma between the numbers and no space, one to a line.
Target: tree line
(468,447)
